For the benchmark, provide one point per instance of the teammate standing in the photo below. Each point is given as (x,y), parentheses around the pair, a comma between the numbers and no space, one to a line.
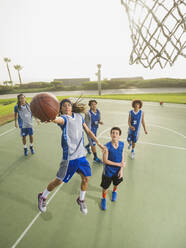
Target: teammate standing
(23,113)
(113,158)
(135,119)
(93,119)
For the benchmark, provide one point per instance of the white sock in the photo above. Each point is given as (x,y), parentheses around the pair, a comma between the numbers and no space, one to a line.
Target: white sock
(25,146)
(45,193)
(82,195)
(31,144)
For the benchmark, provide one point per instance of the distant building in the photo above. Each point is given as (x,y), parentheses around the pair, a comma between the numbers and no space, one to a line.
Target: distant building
(130,78)
(72,81)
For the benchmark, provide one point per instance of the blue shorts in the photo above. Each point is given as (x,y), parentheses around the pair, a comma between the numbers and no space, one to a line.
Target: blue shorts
(26,131)
(91,141)
(132,136)
(69,167)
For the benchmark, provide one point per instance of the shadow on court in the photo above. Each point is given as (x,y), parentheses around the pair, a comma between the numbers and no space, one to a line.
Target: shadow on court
(11,168)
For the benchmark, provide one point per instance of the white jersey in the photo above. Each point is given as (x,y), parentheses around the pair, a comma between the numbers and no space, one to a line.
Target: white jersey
(72,140)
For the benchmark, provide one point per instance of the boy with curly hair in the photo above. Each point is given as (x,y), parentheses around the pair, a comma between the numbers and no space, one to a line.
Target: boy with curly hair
(135,119)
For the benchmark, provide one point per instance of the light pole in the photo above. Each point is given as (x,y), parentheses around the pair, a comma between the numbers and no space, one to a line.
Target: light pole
(99,79)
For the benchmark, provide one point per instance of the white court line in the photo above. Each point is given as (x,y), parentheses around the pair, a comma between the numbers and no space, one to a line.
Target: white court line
(152,125)
(12,129)
(154,144)
(34,220)
(8,131)
(169,129)
(167,146)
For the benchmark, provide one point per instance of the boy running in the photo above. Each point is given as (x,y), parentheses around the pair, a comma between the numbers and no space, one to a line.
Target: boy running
(113,158)
(92,120)
(23,112)
(136,117)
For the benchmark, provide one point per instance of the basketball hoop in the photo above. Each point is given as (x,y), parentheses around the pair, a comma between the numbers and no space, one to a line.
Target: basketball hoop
(158,31)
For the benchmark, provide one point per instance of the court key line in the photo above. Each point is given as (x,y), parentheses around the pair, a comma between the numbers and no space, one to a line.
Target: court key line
(155,144)
(34,220)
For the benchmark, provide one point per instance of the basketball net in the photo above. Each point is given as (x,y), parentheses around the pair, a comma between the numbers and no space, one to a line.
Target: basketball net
(158,31)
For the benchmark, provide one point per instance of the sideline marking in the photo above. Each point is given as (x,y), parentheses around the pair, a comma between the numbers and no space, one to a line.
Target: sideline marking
(12,129)
(35,218)
(8,131)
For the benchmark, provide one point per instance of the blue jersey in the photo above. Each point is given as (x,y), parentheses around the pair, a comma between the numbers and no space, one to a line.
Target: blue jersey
(72,140)
(92,120)
(136,119)
(114,155)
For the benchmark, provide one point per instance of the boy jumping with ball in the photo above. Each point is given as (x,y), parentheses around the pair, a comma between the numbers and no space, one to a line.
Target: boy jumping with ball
(113,158)
(135,119)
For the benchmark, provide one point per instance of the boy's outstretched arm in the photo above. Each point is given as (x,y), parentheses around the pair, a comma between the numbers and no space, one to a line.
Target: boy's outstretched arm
(92,136)
(143,123)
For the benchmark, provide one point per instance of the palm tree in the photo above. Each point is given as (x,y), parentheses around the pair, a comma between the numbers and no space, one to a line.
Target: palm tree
(6,83)
(7,60)
(18,68)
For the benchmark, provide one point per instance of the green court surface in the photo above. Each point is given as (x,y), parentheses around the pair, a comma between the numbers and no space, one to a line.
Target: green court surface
(150,211)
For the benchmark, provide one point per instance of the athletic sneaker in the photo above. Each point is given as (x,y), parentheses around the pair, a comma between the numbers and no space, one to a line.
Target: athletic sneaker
(132,155)
(41,202)
(32,150)
(103,204)
(114,195)
(88,149)
(97,160)
(83,206)
(25,151)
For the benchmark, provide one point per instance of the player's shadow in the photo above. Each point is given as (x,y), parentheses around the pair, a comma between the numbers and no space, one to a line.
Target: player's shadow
(11,168)
(46,216)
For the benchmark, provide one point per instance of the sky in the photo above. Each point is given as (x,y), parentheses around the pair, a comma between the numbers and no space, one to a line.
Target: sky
(67,39)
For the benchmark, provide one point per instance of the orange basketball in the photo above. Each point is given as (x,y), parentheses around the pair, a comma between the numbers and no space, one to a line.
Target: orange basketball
(44,106)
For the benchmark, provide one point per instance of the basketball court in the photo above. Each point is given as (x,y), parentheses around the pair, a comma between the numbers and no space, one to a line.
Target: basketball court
(150,210)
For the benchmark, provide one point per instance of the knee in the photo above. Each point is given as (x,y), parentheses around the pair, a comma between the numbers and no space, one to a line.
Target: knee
(85,180)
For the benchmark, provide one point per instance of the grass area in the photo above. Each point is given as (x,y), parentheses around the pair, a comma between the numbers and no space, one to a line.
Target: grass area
(7,105)
(169,97)
(93,85)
